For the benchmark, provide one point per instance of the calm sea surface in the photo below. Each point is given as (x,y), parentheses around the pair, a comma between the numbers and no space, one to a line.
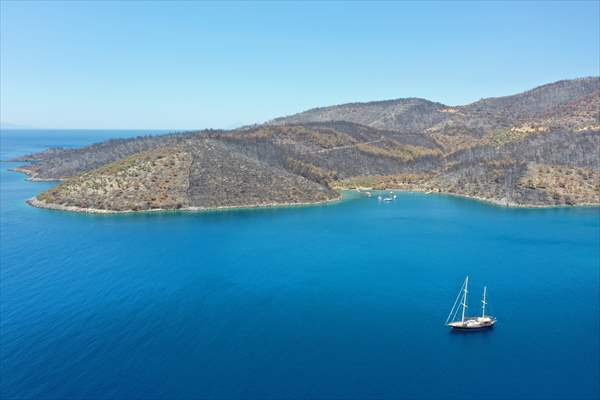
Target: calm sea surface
(337,301)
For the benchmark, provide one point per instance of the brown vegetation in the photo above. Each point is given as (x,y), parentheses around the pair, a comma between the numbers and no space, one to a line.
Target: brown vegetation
(539,147)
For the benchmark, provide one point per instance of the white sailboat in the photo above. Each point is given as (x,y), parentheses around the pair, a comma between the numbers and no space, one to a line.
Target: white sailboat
(465,322)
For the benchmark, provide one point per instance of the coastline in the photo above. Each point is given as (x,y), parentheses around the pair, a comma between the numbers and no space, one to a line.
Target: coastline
(35,202)
(496,202)
(490,201)
(31,176)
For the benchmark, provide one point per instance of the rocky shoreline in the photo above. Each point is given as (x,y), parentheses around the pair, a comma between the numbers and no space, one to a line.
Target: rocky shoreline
(31,176)
(35,202)
(491,201)
(499,202)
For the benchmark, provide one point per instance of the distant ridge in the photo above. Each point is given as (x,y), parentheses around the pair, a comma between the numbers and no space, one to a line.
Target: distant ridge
(403,114)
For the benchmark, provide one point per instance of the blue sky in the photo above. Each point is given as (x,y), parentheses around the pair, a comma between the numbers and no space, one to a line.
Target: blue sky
(184,65)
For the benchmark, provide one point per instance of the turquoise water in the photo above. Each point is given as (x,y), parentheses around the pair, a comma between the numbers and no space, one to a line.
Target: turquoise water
(335,301)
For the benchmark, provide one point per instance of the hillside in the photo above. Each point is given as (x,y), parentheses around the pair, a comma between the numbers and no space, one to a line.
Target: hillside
(537,148)
(458,126)
(416,115)
(404,115)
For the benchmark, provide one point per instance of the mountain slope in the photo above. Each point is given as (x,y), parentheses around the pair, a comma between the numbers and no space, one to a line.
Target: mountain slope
(475,119)
(406,115)
(538,148)
(536,102)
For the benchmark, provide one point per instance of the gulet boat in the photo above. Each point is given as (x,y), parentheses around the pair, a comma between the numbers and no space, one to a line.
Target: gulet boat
(465,322)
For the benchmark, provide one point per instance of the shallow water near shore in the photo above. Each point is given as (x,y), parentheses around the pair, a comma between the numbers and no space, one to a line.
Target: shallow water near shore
(329,301)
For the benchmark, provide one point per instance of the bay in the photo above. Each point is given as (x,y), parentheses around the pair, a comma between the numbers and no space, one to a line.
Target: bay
(345,300)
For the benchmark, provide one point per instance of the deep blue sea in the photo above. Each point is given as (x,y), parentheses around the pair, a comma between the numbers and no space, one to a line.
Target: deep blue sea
(344,300)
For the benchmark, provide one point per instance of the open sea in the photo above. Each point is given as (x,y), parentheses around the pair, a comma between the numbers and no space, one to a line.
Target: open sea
(344,300)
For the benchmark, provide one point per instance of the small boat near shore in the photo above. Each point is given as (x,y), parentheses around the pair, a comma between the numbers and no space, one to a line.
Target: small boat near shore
(388,198)
(465,322)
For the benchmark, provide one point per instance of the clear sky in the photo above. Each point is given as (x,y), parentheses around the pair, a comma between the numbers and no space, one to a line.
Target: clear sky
(199,65)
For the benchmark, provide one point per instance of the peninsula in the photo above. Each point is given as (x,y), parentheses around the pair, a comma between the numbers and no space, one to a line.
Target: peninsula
(537,148)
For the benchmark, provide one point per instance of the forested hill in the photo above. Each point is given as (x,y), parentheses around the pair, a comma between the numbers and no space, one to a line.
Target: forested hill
(537,148)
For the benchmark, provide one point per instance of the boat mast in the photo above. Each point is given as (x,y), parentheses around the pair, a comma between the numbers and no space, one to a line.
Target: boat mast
(464,303)
(483,302)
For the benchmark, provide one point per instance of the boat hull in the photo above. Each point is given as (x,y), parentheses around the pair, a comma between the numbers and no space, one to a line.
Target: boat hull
(475,324)
(477,328)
